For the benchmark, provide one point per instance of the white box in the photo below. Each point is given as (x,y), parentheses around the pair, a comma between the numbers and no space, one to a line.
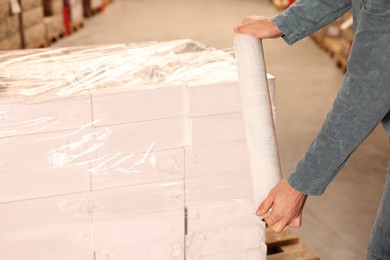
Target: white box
(42,182)
(213,159)
(217,129)
(248,254)
(213,99)
(139,216)
(53,149)
(140,168)
(87,256)
(161,252)
(131,237)
(138,105)
(239,237)
(130,202)
(21,118)
(142,136)
(45,228)
(219,98)
(216,188)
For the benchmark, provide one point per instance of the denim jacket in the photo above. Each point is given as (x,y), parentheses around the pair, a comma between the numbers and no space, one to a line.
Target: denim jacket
(362,102)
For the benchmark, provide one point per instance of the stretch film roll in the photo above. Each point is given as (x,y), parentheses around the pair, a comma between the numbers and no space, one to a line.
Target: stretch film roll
(259,125)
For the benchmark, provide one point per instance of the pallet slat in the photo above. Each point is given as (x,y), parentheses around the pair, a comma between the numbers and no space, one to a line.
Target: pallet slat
(285,246)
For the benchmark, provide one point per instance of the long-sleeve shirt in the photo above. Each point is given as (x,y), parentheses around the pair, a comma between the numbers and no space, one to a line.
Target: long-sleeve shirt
(362,102)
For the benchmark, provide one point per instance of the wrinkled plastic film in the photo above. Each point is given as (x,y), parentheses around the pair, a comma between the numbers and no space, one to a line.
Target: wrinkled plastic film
(257,111)
(125,152)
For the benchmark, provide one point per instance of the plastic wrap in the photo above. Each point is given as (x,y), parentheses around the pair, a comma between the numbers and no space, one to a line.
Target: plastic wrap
(125,152)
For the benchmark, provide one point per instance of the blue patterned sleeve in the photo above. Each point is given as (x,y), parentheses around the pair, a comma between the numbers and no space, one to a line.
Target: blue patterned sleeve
(305,17)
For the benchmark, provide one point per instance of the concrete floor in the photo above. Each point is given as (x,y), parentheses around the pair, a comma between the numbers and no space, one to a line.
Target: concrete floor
(337,224)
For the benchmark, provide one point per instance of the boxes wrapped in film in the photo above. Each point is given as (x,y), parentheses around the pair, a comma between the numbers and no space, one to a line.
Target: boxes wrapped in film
(125,152)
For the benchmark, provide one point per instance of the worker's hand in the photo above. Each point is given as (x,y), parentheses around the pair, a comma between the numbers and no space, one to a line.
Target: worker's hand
(259,26)
(287,205)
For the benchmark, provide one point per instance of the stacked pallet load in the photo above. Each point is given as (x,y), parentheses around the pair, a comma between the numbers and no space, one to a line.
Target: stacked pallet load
(76,15)
(32,27)
(92,7)
(329,37)
(125,152)
(10,38)
(54,19)
(347,34)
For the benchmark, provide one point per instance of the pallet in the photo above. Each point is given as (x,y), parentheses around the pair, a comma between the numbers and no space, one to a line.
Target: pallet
(285,246)
(77,25)
(42,44)
(331,45)
(341,62)
(56,36)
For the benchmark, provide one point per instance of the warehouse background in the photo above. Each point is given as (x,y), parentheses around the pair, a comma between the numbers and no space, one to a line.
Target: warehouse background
(336,225)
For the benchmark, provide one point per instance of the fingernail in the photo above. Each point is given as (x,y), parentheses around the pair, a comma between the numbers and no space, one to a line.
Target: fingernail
(258,212)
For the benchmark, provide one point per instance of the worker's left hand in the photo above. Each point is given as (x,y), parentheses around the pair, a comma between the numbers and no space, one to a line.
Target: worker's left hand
(287,205)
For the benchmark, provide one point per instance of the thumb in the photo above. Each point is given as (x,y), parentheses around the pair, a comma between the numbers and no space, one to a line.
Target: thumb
(245,29)
(265,206)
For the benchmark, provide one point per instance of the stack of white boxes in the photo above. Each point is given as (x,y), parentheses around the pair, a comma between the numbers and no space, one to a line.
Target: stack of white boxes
(157,173)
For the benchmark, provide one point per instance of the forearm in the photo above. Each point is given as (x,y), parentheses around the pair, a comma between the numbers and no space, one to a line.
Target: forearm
(362,103)
(307,16)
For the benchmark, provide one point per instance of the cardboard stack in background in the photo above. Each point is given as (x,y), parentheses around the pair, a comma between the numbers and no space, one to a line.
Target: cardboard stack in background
(33,28)
(91,7)
(153,172)
(10,38)
(54,18)
(76,11)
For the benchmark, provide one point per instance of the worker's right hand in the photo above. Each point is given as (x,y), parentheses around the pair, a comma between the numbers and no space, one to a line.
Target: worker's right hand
(259,26)
(287,205)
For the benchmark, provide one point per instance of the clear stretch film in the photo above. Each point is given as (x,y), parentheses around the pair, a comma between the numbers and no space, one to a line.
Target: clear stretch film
(257,112)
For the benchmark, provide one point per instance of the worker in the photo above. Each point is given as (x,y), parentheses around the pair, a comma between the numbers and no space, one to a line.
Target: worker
(362,103)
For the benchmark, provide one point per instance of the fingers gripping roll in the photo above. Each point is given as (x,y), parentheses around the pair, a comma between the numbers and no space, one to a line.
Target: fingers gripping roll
(256,106)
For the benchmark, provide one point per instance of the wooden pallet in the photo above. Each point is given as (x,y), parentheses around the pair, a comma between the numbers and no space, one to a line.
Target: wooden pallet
(56,36)
(77,25)
(331,45)
(341,62)
(42,44)
(285,246)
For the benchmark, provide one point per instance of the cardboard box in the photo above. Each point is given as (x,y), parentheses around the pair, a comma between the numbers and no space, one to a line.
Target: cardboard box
(135,169)
(13,26)
(137,238)
(161,252)
(3,30)
(217,129)
(45,228)
(34,36)
(32,17)
(213,99)
(217,188)
(54,26)
(214,159)
(138,105)
(57,114)
(29,4)
(142,136)
(4,9)
(53,7)
(248,254)
(221,241)
(55,149)
(43,182)
(76,11)
(12,42)
(138,217)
